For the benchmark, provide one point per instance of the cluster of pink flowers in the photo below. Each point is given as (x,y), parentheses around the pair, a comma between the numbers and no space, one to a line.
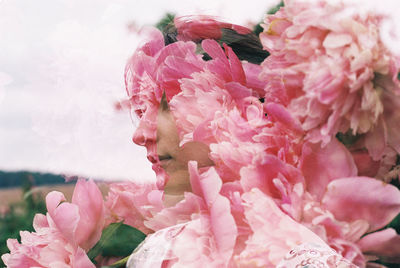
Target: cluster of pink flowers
(64,235)
(316,182)
(281,177)
(334,74)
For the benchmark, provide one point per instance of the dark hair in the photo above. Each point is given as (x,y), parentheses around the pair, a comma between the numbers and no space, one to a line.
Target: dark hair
(246,46)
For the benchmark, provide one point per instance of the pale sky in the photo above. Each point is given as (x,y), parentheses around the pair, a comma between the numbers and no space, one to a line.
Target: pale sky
(61,71)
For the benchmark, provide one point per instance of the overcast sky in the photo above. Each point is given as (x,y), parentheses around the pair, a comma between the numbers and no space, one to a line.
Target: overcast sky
(61,71)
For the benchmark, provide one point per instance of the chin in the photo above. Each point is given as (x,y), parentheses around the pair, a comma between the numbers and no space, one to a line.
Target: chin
(178,182)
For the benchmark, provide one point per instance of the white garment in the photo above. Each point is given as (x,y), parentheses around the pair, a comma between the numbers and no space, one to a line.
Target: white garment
(155,249)
(314,256)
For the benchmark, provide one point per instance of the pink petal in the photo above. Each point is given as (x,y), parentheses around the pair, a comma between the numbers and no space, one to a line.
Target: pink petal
(267,169)
(365,165)
(220,64)
(323,165)
(375,141)
(180,212)
(155,42)
(335,40)
(392,119)
(213,49)
(89,199)
(384,243)
(208,185)
(80,259)
(180,67)
(364,198)
(253,81)
(19,260)
(238,91)
(65,215)
(40,221)
(280,114)
(236,66)
(53,199)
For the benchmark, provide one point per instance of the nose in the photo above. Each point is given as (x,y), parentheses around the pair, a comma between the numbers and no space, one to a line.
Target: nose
(139,138)
(145,133)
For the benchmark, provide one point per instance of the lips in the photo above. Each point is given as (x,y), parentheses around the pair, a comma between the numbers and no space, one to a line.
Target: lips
(152,159)
(165,160)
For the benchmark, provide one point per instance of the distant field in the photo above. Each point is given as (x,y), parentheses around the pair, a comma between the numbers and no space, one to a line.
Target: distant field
(12,195)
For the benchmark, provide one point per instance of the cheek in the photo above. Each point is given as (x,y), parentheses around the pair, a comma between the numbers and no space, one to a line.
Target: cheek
(195,151)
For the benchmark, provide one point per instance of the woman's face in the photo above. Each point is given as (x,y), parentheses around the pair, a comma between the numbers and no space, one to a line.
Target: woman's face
(173,158)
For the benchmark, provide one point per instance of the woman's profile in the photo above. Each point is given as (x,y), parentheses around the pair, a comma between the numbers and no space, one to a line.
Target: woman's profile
(203,121)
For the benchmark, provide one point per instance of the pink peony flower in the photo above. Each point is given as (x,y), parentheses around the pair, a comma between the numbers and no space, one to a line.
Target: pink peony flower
(65,234)
(332,71)
(282,136)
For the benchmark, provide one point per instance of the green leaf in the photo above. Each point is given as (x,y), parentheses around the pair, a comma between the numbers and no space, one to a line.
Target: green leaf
(276,8)
(347,138)
(167,27)
(395,224)
(258,29)
(168,19)
(120,263)
(105,236)
(117,239)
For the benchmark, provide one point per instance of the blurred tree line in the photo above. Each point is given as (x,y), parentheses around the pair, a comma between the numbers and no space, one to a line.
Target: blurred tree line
(17,179)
